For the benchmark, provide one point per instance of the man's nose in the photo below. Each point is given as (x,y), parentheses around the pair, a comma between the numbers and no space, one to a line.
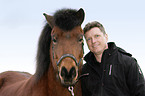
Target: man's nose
(93,40)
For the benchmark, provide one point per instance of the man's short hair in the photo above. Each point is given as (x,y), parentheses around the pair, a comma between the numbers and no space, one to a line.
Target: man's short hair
(93,24)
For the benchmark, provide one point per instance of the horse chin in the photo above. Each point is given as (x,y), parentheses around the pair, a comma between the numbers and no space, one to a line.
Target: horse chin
(68,83)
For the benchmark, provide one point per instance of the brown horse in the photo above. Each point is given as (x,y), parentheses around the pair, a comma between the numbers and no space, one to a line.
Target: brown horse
(59,60)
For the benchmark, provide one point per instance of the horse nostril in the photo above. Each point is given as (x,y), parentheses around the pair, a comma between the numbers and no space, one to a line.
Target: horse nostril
(68,75)
(72,72)
(64,72)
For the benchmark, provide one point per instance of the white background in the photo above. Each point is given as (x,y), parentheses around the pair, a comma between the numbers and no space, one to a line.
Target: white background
(21,22)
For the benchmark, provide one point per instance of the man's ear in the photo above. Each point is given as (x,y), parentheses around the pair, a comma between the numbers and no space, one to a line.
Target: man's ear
(106,36)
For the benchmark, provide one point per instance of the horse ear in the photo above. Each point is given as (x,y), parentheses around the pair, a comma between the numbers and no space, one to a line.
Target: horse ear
(50,19)
(80,14)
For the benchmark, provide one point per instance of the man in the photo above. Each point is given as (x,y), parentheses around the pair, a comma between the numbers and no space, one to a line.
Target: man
(112,71)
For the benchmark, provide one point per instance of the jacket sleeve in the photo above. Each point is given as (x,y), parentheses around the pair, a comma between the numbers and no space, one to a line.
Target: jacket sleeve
(84,88)
(135,79)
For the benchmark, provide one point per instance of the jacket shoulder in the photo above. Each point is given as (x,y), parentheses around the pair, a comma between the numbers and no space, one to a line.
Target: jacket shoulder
(122,51)
(125,57)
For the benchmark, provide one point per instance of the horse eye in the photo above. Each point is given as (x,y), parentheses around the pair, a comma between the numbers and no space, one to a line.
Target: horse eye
(54,40)
(81,40)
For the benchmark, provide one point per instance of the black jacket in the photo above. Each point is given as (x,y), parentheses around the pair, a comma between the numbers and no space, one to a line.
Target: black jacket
(117,75)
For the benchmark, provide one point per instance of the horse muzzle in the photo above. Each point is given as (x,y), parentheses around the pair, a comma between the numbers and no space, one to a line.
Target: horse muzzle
(68,76)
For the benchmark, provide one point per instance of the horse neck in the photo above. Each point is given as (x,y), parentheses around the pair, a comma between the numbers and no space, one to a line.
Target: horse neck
(55,88)
(49,85)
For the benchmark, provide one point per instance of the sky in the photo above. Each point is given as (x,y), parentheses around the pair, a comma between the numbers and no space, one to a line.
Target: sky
(21,22)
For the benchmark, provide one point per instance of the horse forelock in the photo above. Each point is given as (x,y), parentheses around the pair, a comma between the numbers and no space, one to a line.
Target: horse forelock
(66,19)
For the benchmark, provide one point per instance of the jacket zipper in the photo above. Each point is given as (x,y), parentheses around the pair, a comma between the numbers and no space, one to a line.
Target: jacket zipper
(102,84)
(110,71)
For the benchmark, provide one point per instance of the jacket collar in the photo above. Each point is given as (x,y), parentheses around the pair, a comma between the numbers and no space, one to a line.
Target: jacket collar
(111,48)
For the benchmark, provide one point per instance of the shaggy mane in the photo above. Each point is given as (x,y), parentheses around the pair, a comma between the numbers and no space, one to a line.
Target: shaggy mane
(66,19)
(43,58)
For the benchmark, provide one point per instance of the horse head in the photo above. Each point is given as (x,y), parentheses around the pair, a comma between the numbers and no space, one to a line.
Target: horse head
(66,44)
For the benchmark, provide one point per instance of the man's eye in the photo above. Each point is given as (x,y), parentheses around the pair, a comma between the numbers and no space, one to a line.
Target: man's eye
(96,35)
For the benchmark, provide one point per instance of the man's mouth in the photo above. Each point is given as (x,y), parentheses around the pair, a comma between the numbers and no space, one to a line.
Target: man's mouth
(96,45)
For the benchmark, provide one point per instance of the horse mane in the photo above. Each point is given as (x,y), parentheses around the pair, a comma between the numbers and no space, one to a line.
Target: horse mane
(43,58)
(64,19)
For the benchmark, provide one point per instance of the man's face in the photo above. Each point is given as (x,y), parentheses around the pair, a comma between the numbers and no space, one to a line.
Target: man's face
(96,40)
